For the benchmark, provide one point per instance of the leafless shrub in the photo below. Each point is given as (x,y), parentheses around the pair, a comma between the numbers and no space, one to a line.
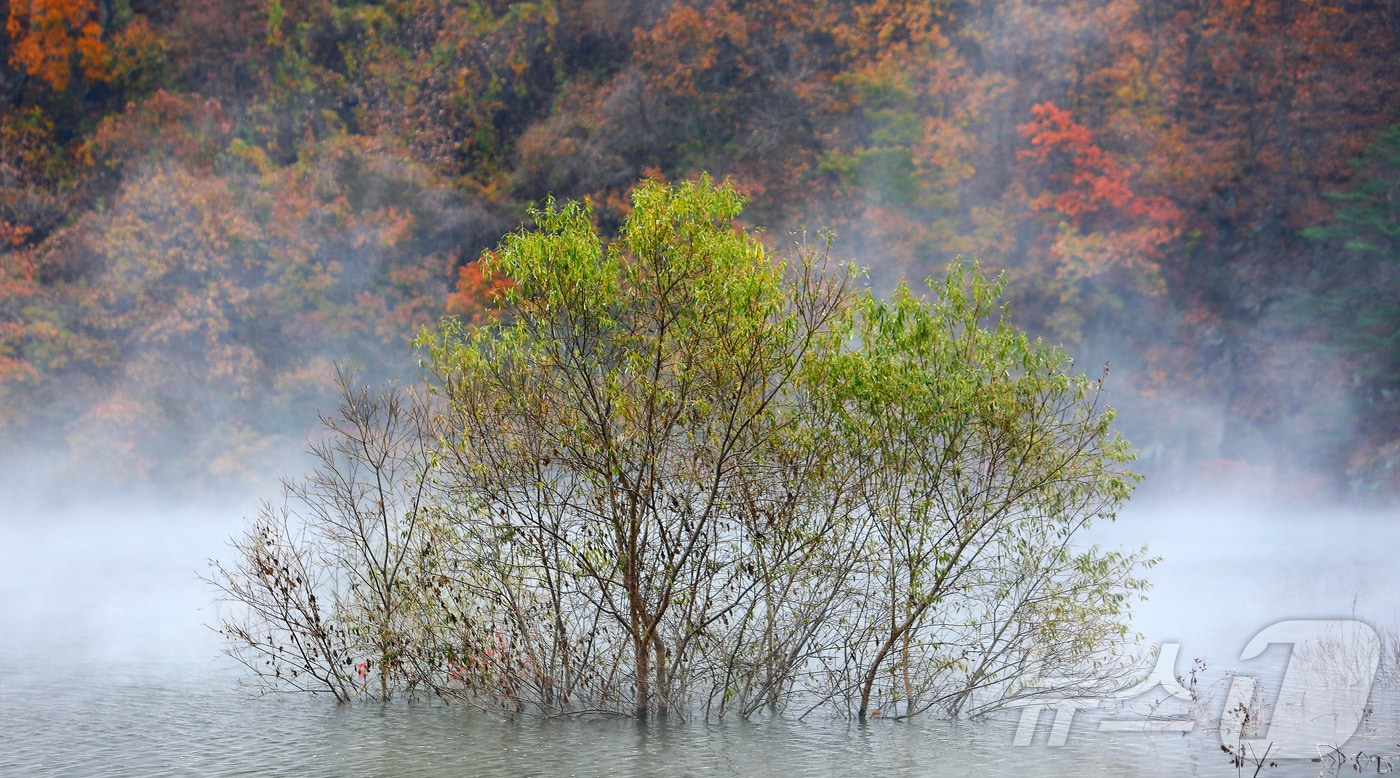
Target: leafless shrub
(342,586)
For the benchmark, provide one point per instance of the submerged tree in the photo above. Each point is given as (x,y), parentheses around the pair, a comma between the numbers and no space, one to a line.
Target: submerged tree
(981,456)
(608,437)
(694,475)
(340,586)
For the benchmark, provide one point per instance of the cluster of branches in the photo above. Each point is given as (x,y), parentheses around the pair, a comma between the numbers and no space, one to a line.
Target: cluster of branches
(674,475)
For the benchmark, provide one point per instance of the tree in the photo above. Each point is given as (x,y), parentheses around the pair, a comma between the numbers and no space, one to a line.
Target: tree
(981,456)
(687,473)
(16,286)
(223,295)
(1352,308)
(1100,224)
(331,589)
(54,38)
(1370,218)
(607,433)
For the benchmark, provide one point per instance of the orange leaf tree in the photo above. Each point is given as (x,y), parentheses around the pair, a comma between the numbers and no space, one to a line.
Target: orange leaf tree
(53,39)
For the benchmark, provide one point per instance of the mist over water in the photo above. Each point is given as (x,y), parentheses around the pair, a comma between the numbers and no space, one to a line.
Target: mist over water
(116,580)
(1234,564)
(112,582)
(107,665)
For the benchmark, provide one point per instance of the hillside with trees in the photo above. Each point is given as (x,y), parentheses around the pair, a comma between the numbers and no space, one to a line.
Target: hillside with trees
(205,205)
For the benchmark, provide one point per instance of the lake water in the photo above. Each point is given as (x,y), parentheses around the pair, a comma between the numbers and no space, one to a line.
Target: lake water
(106,669)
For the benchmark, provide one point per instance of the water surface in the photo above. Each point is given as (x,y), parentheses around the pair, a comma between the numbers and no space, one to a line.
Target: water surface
(106,668)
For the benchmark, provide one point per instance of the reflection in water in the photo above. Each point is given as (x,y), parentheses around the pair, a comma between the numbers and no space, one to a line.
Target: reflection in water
(105,668)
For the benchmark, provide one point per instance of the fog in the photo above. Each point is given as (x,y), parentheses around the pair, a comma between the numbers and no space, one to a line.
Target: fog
(107,659)
(113,580)
(107,582)
(1232,564)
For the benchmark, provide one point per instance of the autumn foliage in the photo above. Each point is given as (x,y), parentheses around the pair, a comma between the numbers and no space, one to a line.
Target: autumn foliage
(1086,180)
(273,185)
(56,40)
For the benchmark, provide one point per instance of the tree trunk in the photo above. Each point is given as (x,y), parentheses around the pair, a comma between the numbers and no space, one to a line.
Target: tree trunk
(642,651)
(663,705)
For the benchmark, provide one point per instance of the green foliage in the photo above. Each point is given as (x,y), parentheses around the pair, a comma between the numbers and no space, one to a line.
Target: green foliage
(1362,320)
(896,163)
(619,407)
(1370,214)
(673,452)
(984,455)
(885,163)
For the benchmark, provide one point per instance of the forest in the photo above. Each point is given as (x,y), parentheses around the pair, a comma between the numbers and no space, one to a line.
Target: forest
(207,205)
